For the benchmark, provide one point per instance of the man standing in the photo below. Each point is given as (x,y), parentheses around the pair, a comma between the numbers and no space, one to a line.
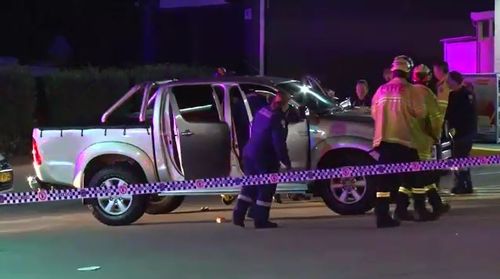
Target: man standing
(263,154)
(361,99)
(396,112)
(442,87)
(461,116)
(425,134)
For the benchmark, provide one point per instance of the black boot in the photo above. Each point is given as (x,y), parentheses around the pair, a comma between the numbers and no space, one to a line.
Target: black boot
(421,213)
(277,198)
(384,219)
(251,212)
(462,183)
(261,220)
(401,213)
(438,207)
(239,212)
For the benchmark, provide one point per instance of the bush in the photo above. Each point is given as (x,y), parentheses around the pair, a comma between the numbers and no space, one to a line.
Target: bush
(80,97)
(17,102)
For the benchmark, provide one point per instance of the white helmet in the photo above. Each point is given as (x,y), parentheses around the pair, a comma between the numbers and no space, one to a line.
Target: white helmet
(402,63)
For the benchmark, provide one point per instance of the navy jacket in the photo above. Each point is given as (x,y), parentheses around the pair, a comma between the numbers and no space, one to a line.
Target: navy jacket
(267,144)
(461,113)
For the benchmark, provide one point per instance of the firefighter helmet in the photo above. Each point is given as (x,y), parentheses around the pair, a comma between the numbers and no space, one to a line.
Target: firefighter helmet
(402,63)
(421,74)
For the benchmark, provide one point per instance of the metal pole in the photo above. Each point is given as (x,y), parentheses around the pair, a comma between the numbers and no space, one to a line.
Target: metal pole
(262,37)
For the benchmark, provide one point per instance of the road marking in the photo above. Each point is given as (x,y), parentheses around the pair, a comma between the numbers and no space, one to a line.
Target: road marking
(30,220)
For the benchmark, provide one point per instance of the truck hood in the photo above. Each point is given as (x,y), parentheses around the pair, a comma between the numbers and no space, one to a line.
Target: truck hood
(354,115)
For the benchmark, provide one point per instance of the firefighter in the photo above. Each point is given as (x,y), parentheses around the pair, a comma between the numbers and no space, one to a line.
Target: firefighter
(395,113)
(442,87)
(425,134)
(263,154)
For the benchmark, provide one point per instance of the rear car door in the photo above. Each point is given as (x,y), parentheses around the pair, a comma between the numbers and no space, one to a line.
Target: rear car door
(298,128)
(202,138)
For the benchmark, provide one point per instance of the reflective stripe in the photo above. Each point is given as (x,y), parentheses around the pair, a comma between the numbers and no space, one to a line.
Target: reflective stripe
(431,187)
(383,194)
(263,203)
(244,198)
(418,191)
(405,190)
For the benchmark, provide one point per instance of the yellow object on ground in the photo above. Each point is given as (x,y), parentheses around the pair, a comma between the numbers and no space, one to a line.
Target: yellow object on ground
(485,150)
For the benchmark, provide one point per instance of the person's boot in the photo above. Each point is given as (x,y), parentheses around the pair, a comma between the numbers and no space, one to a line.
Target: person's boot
(384,219)
(468,183)
(438,206)
(461,184)
(421,213)
(261,220)
(402,203)
(239,212)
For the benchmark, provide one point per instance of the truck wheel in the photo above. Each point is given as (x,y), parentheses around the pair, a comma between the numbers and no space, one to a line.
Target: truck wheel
(119,210)
(163,204)
(349,196)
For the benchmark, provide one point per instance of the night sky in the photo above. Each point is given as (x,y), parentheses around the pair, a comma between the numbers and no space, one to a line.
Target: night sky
(340,41)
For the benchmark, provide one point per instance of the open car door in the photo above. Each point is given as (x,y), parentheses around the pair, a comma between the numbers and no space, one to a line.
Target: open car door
(203,139)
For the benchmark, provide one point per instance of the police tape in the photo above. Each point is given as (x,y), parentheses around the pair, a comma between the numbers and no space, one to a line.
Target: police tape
(231,182)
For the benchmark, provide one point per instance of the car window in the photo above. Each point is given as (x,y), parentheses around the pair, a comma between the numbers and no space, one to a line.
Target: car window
(196,103)
(306,96)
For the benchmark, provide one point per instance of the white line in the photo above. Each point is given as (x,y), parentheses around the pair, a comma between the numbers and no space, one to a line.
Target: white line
(29,220)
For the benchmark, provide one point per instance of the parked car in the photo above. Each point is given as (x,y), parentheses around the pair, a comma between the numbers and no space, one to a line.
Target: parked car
(189,130)
(6,175)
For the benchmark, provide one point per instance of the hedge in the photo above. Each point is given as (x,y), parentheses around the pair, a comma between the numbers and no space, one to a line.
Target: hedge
(79,97)
(17,103)
(76,97)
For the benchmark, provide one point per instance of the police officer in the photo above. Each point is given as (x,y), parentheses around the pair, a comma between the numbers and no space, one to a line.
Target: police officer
(462,119)
(425,134)
(395,113)
(263,154)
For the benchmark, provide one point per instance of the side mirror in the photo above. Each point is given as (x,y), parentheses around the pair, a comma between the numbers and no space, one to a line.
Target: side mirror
(346,104)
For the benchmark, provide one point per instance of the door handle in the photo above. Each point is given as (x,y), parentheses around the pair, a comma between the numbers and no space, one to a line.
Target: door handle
(187,133)
(302,133)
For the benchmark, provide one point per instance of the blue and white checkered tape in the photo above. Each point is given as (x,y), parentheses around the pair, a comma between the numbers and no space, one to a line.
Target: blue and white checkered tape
(225,182)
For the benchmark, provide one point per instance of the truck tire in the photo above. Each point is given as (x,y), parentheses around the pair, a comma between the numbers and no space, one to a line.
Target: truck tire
(121,210)
(348,196)
(163,204)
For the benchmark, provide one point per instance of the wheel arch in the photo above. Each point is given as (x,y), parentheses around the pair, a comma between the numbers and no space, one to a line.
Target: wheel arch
(97,156)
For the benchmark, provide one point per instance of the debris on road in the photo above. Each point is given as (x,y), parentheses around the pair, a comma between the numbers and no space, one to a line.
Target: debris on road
(89,268)
(220,220)
(204,208)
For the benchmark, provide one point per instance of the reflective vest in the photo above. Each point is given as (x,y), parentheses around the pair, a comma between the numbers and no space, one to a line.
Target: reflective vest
(443,94)
(396,112)
(429,128)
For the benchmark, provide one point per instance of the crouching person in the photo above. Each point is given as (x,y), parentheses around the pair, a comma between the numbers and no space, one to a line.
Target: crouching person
(264,152)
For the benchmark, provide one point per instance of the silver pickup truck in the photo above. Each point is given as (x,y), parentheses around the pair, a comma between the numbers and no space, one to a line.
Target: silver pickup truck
(197,129)
(6,175)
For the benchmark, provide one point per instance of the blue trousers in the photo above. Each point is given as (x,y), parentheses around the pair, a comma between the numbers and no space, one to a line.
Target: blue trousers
(258,197)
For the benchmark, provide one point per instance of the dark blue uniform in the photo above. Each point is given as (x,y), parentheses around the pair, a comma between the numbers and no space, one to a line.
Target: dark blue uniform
(262,154)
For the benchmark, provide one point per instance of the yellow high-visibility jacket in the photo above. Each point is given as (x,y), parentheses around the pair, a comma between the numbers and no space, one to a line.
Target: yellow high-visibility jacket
(428,130)
(443,94)
(397,112)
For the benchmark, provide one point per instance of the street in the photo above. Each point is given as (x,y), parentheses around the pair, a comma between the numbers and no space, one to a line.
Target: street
(53,240)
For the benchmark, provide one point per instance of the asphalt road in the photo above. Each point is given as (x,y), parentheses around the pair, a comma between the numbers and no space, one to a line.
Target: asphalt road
(53,240)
